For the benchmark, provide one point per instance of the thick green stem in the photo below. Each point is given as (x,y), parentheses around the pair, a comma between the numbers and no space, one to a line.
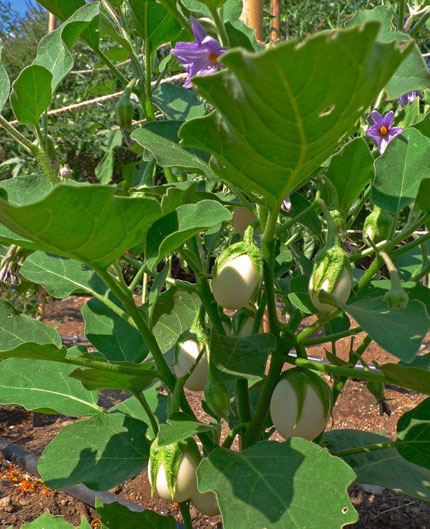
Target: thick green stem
(394,274)
(186,517)
(111,367)
(228,441)
(121,78)
(332,236)
(127,299)
(340,381)
(338,370)
(141,398)
(331,337)
(36,151)
(277,361)
(418,25)
(400,14)
(244,403)
(370,272)
(219,25)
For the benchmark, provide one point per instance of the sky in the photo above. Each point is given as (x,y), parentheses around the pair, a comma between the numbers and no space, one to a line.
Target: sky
(21,5)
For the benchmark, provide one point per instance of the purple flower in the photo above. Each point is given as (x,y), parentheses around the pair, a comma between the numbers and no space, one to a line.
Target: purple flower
(407,99)
(382,130)
(286,204)
(201,56)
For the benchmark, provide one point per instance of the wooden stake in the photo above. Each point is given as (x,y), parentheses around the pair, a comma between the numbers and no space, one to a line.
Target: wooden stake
(252,15)
(275,21)
(52,24)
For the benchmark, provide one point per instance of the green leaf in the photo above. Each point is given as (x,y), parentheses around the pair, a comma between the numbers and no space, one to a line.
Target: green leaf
(47,521)
(398,331)
(101,452)
(298,288)
(385,468)
(94,379)
(178,103)
(161,139)
(53,50)
(114,337)
(157,402)
(45,386)
(4,84)
(413,73)
(31,94)
(311,220)
(231,10)
(84,523)
(174,229)
(63,10)
(173,314)
(399,171)
(423,195)
(244,357)
(180,426)
(410,262)
(26,189)
(350,171)
(278,485)
(154,23)
(240,35)
(321,87)
(104,169)
(413,430)
(61,276)
(115,516)
(408,376)
(16,330)
(85,222)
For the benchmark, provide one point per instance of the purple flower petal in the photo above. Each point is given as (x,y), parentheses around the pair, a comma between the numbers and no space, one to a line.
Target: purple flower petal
(382,131)
(199,33)
(376,117)
(387,120)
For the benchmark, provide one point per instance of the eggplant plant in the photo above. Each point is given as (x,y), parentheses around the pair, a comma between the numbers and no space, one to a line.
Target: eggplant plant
(291,183)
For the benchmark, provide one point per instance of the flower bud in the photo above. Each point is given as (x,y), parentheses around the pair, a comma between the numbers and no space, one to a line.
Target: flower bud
(217,398)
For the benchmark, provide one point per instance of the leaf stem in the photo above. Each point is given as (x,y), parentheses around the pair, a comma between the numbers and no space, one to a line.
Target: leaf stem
(141,398)
(331,337)
(185,511)
(365,449)
(225,41)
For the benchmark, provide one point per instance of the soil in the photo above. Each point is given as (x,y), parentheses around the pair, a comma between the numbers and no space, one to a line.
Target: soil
(23,498)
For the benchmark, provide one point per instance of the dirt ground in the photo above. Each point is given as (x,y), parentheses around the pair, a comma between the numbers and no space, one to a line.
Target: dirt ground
(23,498)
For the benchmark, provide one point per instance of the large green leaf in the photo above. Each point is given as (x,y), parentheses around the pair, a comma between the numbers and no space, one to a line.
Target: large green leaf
(180,427)
(413,73)
(400,170)
(161,139)
(16,330)
(61,276)
(53,50)
(4,84)
(413,430)
(85,222)
(24,189)
(321,87)
(350,171)
(423,195)
(94,379)
(31,94)
(278,485)
(157,402)
(114,337)
(398,331)
(174,229)
(178,103)
(47,521)
(115,516)
(173,314)
(64,9)
(414,376)
(385,468)
(245,357)
(154,22)
(101,452)
(411,262)
(44,386)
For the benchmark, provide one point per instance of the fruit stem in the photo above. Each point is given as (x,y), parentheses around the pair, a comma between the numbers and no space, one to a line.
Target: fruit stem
(141,398)
(185,511)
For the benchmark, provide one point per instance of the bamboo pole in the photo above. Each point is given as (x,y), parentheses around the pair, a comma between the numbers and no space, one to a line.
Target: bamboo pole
(252,15)
(275,21)
(52,24)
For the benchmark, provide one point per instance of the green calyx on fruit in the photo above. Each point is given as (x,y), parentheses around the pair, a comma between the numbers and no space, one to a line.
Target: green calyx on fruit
(124,110)
(217,398)
(332,274)
(397,298)
(237,273)
(172,470)
(301,404)
(377,226)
